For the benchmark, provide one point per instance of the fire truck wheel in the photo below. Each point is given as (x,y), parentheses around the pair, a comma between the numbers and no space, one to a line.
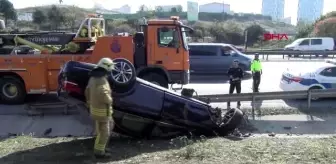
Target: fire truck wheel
(156,79)
(12,91)
(123,75)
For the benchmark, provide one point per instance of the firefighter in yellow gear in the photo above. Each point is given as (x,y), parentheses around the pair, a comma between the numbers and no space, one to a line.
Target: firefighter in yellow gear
(84,32)
(98,95)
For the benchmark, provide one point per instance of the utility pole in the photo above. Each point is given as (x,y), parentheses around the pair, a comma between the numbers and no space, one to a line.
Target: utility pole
(223,12)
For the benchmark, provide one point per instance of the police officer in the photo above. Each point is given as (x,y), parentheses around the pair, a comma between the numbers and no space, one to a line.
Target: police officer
(235,74)
(99,99)
(256,70)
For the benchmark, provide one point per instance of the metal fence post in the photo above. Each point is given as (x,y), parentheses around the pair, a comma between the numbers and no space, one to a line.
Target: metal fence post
(253,107)
(309,99)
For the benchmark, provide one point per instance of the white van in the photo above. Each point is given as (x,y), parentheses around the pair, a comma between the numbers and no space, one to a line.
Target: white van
(312,44)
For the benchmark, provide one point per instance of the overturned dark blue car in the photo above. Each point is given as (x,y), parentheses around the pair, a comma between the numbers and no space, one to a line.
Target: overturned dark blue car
(143,109)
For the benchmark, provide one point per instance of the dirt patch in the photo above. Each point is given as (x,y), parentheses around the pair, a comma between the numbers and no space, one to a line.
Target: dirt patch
(179,150)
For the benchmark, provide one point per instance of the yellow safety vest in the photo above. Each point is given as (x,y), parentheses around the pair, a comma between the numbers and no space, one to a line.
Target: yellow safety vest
(256,66)
(84,32)
(101,112)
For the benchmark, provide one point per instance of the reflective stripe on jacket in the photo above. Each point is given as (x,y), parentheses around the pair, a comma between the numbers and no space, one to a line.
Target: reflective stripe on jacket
(256,66)
(99,97)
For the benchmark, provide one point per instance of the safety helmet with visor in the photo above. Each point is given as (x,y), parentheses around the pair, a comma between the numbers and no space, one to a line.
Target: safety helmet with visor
(106,63)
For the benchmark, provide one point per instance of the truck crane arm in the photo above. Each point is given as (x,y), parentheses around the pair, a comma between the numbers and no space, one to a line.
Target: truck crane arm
(19,40)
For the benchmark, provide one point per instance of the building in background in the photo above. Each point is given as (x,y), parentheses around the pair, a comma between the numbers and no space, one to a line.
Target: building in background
(287,20)
(273,8)
(126,9)
(215,7)
(168,8)
(309,10)
(25,16)
(192,11)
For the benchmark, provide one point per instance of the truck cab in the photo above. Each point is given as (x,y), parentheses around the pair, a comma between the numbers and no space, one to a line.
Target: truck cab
(161,52)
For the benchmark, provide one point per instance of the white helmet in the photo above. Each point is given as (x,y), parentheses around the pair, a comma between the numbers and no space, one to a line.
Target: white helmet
(106,63)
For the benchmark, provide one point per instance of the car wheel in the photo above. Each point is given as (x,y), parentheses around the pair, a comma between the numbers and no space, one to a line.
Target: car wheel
(325,55)
(123,75)
(12,91)
(231,120)
(156,79)
(315,87)
(296,55)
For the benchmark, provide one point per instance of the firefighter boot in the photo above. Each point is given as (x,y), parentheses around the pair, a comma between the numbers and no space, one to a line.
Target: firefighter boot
(103,155)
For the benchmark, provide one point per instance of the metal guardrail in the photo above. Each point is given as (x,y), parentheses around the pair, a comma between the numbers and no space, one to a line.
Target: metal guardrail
(289,53)
(286,52)
(305,94)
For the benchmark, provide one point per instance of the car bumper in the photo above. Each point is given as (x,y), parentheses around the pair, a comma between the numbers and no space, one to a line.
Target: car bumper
(293,86)
(179,77)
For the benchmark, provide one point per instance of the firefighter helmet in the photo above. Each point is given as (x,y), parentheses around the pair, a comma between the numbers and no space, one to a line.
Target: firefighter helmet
(106,63)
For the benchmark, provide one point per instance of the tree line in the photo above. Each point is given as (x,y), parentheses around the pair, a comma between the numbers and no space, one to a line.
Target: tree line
(224,27)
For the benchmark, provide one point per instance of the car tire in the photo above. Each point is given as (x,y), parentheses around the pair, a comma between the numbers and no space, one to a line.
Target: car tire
(325,55)
(296,55)
(120,85)
(156,79)
(315,87)
(231,120)
(12,98)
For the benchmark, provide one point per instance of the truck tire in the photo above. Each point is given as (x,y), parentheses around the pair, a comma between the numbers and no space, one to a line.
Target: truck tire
(12,91)
(123,76)
(156,79)
(231,120)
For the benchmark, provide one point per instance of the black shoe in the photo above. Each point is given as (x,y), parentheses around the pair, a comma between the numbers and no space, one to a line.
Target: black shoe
(103,156)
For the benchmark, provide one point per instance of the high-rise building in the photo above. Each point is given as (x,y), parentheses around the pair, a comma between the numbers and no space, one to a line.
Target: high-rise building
(273,8)
(309,10)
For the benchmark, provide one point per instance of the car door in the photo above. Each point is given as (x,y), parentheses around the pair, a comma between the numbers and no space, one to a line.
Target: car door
(227,57)
(304,45)
(204,59)
(316,44)
(328,77)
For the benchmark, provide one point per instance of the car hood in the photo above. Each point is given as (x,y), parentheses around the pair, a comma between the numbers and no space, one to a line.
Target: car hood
(289,46)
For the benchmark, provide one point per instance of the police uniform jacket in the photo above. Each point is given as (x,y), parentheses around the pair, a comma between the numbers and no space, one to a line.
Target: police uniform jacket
(235,73)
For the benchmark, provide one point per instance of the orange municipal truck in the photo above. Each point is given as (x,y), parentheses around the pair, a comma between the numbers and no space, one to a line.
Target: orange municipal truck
(30,62)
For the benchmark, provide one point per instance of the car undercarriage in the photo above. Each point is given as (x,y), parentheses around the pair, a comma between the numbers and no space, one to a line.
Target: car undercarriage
(145,110)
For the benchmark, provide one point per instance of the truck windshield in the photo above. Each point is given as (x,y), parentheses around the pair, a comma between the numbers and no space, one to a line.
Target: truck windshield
(184,38)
